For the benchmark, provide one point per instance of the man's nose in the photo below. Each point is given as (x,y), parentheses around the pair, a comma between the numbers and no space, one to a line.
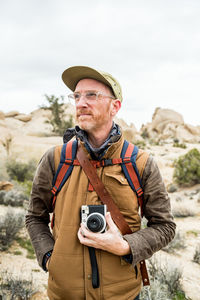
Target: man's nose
(82,101)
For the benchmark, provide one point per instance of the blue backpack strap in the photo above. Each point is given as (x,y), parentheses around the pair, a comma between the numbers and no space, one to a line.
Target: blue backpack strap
(68,155)
(130,151)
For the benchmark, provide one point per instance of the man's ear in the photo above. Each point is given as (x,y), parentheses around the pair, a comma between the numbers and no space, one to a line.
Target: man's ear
(115,106)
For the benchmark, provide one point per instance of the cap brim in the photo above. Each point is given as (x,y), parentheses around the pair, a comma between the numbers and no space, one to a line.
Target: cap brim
(73,75)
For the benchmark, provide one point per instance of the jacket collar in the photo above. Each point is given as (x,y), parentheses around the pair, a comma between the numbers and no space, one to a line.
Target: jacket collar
(96,153)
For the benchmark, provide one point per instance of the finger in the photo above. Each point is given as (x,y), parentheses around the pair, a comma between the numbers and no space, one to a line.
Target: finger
(80,236)
(87,233)
(110,221)
(84,240)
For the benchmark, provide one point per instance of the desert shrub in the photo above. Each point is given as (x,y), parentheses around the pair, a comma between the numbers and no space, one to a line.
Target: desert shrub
(12,287)
(13,198)
(140,144)
(2,195)
(26,244)
(55,105)
(155,291)
(153,142)
(196,257)
(27,187)
(192,232)
(145,133)
(177,243)
(182,210)
(144,222)
(10,225)
(165,281)
(21,171)
(180,145)
(187,168)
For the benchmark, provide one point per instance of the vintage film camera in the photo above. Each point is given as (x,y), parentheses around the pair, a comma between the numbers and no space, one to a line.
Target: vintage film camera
(93,217)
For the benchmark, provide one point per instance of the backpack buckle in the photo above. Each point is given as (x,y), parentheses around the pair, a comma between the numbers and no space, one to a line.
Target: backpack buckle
(107,162)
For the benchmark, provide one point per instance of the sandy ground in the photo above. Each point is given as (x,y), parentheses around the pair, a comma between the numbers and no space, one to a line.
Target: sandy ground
(34,147)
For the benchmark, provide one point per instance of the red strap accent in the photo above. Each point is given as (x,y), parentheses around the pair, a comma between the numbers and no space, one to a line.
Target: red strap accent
(69,161)
(54,200)
(98,164)
(52,221)
(133,176)
(116,161)
(140,201)
(76,162)
(90,187)
(134,179)
(63,170)
(54,190)
(129,150)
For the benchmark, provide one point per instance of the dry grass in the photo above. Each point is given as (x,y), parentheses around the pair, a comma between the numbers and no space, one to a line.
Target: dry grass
(196,257)
(15,287)
(177,243)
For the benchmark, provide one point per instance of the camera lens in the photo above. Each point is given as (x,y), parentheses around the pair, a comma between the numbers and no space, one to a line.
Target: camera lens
(96,222)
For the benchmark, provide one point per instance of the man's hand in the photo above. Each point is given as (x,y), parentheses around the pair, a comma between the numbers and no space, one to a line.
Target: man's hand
(111,241)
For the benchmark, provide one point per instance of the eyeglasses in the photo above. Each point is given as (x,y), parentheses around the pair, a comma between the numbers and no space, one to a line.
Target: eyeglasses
(90,96)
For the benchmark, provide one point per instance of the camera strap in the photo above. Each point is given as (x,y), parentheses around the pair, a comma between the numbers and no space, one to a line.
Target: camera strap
(94,266)
(106,198)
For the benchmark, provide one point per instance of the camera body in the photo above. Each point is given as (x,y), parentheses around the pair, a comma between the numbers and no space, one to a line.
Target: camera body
(93,217)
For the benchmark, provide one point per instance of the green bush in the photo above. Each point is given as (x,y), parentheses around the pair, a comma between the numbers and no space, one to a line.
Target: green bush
(140,144)
(180,145)
(26,244)
(187,168)
(13,198)
(27,187)
(21,171)
(10,225)
(55,105)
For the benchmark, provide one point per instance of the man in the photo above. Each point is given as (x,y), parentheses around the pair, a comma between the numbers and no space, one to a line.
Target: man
(97,97)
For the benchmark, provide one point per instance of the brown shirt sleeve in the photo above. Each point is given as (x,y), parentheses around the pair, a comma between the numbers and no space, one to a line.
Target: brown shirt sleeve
(160,226)
(40,205)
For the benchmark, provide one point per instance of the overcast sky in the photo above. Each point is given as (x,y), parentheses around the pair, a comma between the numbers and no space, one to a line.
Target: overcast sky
(151,46)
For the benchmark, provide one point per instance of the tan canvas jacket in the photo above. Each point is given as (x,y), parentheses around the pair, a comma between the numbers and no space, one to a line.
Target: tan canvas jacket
(69,269)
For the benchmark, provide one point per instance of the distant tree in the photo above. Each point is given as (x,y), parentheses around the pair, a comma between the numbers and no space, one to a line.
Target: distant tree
(55,105)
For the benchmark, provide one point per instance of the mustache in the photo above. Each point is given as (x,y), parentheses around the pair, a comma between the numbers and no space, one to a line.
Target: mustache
(83,111)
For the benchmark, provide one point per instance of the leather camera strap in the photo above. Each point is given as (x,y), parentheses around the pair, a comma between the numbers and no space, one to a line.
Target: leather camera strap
(106,198)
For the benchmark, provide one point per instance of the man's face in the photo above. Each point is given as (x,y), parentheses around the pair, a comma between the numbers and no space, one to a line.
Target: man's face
(95,115)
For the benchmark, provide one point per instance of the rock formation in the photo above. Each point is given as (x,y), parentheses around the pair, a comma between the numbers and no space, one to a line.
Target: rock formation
(23,117)
(2,116)
(168,125)
(5,185)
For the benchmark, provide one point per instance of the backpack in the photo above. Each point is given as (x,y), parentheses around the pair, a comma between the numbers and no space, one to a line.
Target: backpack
(127,160)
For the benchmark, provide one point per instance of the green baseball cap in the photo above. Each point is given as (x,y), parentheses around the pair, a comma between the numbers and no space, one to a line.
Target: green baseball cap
(73,75)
